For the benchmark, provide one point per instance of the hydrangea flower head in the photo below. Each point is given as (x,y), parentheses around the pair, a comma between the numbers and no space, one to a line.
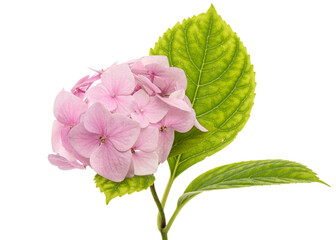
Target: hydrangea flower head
(121,121)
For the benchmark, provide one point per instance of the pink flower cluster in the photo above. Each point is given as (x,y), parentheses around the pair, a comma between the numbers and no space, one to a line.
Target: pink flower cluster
(123,125)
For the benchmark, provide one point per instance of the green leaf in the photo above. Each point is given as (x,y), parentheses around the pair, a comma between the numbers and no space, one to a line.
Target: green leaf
(247,174)
(129,185)
(220,84)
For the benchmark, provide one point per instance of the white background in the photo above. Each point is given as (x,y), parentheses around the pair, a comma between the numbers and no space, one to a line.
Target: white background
(48,45)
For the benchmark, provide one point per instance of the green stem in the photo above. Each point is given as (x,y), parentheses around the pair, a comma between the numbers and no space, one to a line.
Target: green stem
(176,212)
(160,208)
(164,235)
(167,190)
(168,187)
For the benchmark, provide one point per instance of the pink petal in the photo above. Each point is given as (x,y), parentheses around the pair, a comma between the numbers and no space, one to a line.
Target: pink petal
(83,141)
(141,98)
(145,163)
(124,104)
(110,163)
(78,90)
(84,160)
(165,143)
(179,120)
(138,68)
(65,140)
(140,118)
(122,132)
(130,172)
(161,60)
(147,85)
(68,108)
(56,139)
(83,84)
(147,140)
(199,126)
(176,99)
(176,77)
(63,163)
(96,119)
(100,94)
(155,110)
(118,79)
(170,80)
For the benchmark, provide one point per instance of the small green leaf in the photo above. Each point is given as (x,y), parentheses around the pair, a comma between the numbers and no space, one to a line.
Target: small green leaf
(247,174)
(129,185)
(220,84)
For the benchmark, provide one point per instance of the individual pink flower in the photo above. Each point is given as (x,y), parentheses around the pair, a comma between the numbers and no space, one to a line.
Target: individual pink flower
(147,109)
(139,66)
(175,120)
(145,159)
(63,158)
(115,90)
(156,69)
(106,139)
(84,84)
(68,110)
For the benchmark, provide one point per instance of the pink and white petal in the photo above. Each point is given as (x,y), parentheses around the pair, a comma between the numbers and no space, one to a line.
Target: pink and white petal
(130,173)
(125,105)
(179,120)
(162,85)
(122,131)
(85,161)
(148,139)
(199,126)
(109,163)
(155,110)
(68,108)
(83,84)
(56,138)
(172,79)
(65,140)
(147,85)
(101,94)
(145,163)
(96,119)
(176,102)
(141,98)
(165,143)
(83,141)
(63,163)
(178,94)
(119,79)
(137,67)
(140,118)
(176,77)
(78,90)
(161,60)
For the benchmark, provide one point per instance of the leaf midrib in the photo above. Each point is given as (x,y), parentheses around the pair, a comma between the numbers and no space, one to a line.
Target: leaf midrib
(198,81)
(203,61)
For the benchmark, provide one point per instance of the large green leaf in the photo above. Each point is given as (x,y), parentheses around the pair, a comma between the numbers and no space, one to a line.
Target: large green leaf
(247,174)
(220,84)
(129,185)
